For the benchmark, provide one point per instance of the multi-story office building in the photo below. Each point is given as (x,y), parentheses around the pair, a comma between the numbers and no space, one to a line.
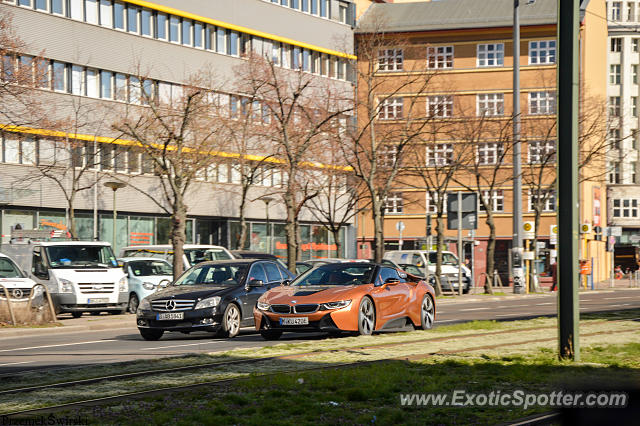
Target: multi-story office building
(464,49)
(623,60)
(90,53)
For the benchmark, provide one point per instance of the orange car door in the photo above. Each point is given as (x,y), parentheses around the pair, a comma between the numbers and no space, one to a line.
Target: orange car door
(389,298)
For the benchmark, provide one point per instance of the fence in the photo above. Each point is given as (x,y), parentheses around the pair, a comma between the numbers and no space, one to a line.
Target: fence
(23,310)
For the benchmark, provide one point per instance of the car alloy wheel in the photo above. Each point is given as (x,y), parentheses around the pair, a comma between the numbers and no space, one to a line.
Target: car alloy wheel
(133,303)
(366,317)
(231,321)
(427,312)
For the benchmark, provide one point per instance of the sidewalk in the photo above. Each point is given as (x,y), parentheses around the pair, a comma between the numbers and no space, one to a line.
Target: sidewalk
(71,325)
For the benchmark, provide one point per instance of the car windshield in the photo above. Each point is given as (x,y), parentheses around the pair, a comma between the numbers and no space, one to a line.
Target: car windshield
(447,259)
(145,268)
(202,255)
(412,269)
(81,256)
(8,269)
(216,274)
(337,274)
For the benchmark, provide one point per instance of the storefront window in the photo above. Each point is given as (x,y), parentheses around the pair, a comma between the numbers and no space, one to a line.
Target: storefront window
(279,243)
(305,240)
(106,231)
(319,246)
(259,237)
(52,221)
(140,231)
(16,217)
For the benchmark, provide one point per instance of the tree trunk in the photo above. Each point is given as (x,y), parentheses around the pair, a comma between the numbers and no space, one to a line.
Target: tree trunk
(242,240)
(378,230)
(178,235)
(291,231)
(532,272)
(72,219)
(439,241)
(491,250)
(336,240)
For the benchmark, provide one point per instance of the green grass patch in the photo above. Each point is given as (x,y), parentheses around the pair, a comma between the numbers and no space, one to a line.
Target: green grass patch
(370,394)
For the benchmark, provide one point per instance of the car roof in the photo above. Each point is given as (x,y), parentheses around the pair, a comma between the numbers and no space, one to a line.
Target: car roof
(256,254)
(233,261)
(169,246)
(73,243)
(141,259)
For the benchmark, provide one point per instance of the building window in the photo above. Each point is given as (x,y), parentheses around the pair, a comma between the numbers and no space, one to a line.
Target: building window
(432,202)
(440,106)
(76,9)
(161,26)
(91,11)
(633,165)
(390,60)
(393,203)
(542,103)
(16,151)
(495,199)
(106,13)
(186,32)
(631,11)
(174,29)
(634,106)
(440,154)
(390,109)
(634,45)
(118,15)
(490,55)
(615,11)
(106,85)
(625,207)
(440,57)
(549,197)
(634,74)
(489,153)
(614,172)
(614,138)
(145,23)
(614,106)
(614,74)
(616,44)
(542,152)
(57,7)
(387,156)
(490,104)
(542,52)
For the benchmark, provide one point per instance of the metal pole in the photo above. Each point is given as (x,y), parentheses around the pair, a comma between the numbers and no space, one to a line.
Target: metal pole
(518,273)
(268,228)
(568,236)
(115,215)
(460,254)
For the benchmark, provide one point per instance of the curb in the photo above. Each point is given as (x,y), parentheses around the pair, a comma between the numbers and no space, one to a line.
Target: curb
(21,332)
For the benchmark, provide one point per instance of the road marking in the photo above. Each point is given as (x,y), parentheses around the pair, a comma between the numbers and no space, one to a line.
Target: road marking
(514,306)
(178,346)
(57,346)
(546,303)
(15,363)
(506,315)
(438,321)
(621,297)
(474,309)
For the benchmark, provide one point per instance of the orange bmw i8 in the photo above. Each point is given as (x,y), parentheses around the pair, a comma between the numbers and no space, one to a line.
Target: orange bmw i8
(346,297)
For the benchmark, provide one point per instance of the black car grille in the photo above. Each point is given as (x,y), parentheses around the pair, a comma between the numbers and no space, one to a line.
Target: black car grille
(172,305)
(305,309)
(16,293)
(281,309)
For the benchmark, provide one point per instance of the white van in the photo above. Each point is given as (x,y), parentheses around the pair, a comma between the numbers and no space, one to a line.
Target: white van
(193,253)
(80,276)
(426,261)
(18,285)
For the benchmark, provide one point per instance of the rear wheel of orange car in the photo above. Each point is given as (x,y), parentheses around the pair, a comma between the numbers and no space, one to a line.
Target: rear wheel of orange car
(427,312)
(366,317)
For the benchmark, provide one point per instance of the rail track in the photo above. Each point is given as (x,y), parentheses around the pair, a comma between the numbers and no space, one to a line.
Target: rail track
(164,390)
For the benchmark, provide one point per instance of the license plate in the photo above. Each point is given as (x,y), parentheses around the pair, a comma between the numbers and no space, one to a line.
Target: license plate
(294,321)
(171,316)
(92,301)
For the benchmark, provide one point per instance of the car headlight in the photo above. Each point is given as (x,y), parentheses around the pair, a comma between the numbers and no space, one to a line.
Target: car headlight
(123,285)
(335,305)
(66,286)
(148,285)
(144,305)
(209,302)
(263,306)
(38,290)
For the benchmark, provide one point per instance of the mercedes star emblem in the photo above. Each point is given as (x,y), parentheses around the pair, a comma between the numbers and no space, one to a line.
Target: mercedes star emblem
(171,305)
(17,293)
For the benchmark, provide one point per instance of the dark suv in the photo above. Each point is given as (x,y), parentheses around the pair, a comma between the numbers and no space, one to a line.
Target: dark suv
(216,296)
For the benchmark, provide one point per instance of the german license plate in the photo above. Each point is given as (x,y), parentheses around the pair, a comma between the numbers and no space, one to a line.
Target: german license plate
(294,321)
(171,316)
(99,300)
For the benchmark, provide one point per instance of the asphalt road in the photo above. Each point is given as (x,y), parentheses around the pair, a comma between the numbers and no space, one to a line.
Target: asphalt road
(58,348)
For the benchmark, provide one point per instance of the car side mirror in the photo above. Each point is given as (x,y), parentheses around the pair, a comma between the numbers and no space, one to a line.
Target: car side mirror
(164,283)
(286,282)
(256,283)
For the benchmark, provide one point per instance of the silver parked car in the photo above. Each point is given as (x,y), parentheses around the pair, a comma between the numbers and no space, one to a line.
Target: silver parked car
(146,275)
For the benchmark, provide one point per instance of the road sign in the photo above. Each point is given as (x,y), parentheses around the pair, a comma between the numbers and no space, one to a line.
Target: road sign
(528,255)
(615,231)
(400,226)
(553,234)
(529,229)
(469,206)
(585,228)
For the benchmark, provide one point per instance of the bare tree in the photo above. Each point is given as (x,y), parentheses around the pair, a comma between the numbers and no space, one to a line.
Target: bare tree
(301,108)
(390,114)
(179,137)
(485,172)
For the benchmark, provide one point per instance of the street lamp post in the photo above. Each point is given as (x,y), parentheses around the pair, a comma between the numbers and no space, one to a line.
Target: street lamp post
(114,186)
(266,201)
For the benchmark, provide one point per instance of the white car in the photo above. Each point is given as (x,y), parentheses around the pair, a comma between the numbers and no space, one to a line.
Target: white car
(146,275)
(19,286)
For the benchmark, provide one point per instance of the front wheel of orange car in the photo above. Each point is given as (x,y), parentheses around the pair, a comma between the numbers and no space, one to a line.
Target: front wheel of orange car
(366,317)
(427,312)
(270,334)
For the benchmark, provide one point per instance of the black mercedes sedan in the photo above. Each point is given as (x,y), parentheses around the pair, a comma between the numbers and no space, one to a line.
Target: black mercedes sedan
(216,296)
